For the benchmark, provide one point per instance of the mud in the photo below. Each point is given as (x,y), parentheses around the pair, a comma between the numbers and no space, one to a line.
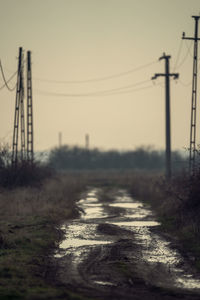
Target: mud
(115,251)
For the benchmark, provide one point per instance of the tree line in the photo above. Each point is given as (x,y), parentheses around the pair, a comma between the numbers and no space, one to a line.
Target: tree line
(146,158)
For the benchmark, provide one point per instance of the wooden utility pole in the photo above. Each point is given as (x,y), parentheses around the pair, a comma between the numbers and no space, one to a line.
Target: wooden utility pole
(167,76)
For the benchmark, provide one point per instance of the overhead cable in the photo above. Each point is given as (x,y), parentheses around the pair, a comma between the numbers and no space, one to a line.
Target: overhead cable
(111,92)
(99,78)
(97,93)
(45,93)
(178,55)
(189,48)
(185,84)
(9,81)
(6,81)
(128,91)
(185,57)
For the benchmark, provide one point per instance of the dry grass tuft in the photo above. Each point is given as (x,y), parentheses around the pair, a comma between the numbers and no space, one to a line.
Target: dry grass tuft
(56,194)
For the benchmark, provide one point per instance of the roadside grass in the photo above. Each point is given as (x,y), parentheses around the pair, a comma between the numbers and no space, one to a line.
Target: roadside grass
(29,220)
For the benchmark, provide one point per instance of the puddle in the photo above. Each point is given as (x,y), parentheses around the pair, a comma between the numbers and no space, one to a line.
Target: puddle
(81,242)
(82,234)
(104,283)
(187,282)
(92,193)
(156,250)
(124,197)
(92,199)
(140,215)
(126,205)
(93,212)
(136,223)
(93,205)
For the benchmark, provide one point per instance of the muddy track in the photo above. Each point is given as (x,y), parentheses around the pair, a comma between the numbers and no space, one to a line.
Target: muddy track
(114,251)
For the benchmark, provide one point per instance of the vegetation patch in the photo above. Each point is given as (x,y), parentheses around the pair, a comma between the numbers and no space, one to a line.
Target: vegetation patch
(29,233)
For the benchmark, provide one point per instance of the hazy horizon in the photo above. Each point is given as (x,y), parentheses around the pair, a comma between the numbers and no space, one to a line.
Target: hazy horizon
(115,45)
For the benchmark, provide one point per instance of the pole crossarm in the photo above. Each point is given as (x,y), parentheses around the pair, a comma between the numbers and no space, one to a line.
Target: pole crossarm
(195,38)
(175,75)
(166,74)
(189,38)
(165,56)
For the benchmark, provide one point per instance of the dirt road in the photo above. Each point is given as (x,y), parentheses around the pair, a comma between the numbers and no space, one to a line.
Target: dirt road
(115,251)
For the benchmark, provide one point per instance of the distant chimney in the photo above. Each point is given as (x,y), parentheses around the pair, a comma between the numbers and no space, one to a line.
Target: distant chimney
(87,141)
(60,139)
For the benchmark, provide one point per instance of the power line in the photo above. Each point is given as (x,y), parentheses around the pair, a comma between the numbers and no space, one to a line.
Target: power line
(6,81)
(9,81)
(130,91)
(45,93)
(189,48)
(99,78)
(185,84)
(97,93)
(178,55)
(185,57)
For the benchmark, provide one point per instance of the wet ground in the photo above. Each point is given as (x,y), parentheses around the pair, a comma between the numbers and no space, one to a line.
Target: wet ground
(115,251)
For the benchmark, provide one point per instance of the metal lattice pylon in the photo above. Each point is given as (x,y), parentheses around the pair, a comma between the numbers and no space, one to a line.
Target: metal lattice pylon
(30,153)
(192,149)
(23,141)
(17,109)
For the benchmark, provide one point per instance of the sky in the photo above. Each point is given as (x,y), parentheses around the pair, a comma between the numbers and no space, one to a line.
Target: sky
(92,64)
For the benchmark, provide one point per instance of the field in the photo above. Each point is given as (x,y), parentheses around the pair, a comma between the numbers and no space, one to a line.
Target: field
(31,216)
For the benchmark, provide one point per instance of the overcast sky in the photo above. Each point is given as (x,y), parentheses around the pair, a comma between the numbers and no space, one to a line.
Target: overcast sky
(73,41)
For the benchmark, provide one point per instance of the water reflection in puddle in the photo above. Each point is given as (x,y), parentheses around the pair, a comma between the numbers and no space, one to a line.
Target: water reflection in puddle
(136,223)
(104,283)
(156,250)
(92,199)
(92,194)
(80,234)
(73,243)
(186,281)
(126,205)
(93,205)
(137,215)
(93,212)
